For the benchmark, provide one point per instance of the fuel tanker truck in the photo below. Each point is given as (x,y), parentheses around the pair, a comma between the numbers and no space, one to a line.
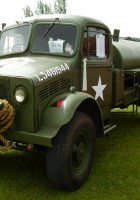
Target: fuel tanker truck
(60,78)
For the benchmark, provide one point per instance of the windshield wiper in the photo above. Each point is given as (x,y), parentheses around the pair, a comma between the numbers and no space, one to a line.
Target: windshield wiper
(51,25)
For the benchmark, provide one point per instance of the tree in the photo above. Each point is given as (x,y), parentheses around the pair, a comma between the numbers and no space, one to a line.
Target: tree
(60,6)
(27,11)
(132,39)
(44,8)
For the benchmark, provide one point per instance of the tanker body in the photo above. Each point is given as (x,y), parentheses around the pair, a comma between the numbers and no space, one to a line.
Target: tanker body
(125,85)
(126,54)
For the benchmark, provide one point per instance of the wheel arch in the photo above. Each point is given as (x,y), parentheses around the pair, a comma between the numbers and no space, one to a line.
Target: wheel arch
(90,107)
(56,117)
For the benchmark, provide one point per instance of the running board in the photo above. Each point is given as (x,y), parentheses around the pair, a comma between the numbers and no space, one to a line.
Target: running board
(109,128)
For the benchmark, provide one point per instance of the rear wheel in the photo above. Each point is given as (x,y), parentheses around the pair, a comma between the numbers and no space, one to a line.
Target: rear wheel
(70,160)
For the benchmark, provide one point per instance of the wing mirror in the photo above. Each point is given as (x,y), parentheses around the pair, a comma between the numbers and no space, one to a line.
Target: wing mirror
(116,35)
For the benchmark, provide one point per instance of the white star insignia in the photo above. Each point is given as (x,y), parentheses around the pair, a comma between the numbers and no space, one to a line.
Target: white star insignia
(99,89)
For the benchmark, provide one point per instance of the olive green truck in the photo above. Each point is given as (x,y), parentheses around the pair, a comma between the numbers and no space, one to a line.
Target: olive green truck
(60,77)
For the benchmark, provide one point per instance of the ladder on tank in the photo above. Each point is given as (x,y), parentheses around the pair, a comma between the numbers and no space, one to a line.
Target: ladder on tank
(135,89)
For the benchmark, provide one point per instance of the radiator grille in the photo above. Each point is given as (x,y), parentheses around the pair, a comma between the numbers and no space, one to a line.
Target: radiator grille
(4,94)
(53,88)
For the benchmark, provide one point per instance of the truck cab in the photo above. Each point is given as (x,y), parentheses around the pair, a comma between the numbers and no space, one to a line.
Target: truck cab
(43,59)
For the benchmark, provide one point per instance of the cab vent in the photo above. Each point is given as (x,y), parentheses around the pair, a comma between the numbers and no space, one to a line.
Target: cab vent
(53,88)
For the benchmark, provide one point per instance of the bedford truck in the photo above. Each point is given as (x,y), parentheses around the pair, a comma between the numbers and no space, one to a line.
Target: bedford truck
(60,78)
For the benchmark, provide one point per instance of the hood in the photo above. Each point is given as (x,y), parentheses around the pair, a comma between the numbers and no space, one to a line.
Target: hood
(36,68)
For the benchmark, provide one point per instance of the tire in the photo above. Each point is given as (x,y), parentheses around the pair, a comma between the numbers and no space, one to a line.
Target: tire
(69,162)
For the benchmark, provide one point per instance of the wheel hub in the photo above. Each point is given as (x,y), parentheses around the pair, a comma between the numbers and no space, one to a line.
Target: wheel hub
(80,152)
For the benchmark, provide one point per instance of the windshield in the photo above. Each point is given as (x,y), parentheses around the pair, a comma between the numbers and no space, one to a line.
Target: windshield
(14,40)
(59,39)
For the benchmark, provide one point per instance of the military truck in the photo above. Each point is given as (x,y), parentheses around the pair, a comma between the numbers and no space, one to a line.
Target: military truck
(60,77)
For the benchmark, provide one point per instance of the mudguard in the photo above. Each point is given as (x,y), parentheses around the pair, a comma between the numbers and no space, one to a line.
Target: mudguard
(61,110)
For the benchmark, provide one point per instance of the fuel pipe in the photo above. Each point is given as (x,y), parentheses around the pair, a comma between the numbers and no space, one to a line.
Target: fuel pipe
(7,115)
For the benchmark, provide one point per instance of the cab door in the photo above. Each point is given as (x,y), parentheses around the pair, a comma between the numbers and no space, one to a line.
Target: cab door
(97,67)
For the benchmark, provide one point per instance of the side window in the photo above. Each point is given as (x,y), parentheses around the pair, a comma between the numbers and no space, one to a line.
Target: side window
(95,45)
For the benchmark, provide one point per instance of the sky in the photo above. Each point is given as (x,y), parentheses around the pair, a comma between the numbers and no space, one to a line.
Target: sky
(120,14)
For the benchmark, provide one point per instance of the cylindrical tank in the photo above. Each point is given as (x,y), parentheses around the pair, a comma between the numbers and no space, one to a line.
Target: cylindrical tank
(126,54)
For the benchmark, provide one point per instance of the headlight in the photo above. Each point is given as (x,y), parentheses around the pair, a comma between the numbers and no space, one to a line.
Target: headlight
(21,95)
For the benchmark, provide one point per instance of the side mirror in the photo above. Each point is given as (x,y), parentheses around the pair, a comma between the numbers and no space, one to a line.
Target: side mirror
(116,35)
(3,25)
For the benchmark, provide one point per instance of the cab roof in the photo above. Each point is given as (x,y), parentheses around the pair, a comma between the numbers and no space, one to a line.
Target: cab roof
(62,18)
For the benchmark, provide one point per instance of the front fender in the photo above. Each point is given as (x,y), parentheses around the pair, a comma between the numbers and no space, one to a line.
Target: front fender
(60,111)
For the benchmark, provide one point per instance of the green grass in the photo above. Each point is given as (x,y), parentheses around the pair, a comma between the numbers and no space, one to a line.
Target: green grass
(115,174)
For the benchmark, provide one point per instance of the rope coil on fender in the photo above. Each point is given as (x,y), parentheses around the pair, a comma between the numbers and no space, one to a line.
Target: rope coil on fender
(7,115)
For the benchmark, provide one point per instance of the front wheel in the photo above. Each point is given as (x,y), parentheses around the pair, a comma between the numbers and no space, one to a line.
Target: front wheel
(70,160)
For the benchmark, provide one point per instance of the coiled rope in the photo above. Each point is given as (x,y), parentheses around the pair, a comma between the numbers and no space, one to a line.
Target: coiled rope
(7,115)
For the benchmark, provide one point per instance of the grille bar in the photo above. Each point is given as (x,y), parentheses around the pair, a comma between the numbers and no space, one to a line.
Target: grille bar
(4,89)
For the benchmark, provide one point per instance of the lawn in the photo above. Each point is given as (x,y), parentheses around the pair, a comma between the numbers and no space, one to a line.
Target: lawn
(115,174)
